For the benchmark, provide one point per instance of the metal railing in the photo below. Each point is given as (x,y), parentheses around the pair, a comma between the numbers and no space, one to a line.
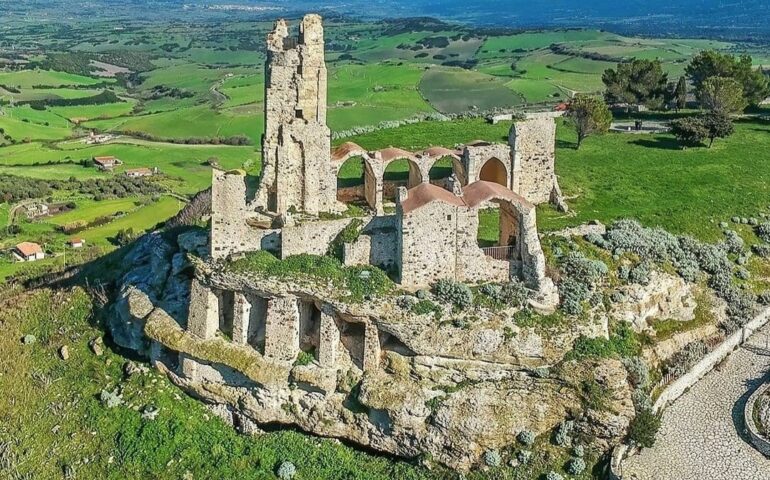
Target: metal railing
(499,253)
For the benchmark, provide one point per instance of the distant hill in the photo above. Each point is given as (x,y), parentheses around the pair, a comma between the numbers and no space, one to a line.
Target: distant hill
(735,19)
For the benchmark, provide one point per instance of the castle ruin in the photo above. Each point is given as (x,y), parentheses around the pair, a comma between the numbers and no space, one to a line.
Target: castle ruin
(245,333)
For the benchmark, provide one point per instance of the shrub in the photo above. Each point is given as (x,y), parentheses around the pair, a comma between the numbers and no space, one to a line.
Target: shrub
(563,433)
(492,458)
(454,293)
(623,342)
(762,249)
(641,399)
(526,438)
(426,307)
(643,428)
(682,361)
(576,466)
(513,293)
(638,373)
(524,456)
(579,451)
(580,268)
(286,471)
(641,273)
(406,302)
(733,242)
(553,476)
(573,293)
(304,358)
(763,231)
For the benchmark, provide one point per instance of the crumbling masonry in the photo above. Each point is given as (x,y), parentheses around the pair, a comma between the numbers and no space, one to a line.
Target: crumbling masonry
(246,331)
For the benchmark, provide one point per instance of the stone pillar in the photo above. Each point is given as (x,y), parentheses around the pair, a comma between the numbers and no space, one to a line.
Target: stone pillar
(328,341)
(282,329)
(241,315)
(203,318)
(371,348)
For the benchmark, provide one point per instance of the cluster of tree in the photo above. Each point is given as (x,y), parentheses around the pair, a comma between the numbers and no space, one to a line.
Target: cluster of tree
(13,188)
(639,82)
(562,49)
(749,82)
(106,96)
(721,82)
(10,88)
(160,91)
(80,62)
(235,140)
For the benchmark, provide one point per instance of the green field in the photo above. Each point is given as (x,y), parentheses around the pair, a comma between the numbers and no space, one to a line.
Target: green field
(456,91)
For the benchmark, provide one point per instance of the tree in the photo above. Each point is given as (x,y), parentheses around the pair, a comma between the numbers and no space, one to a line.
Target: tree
(680,94)
(589,115)
(718,125)
(722,94)
(689,131)
(710,63)
(640,82)
(644,427)
(692,131)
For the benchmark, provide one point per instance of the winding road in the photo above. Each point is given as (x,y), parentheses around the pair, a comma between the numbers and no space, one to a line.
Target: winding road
(702,437)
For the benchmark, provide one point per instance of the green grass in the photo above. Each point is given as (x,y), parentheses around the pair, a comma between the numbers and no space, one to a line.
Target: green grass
(457,90)
(142,219)
(88,210)
(27,78)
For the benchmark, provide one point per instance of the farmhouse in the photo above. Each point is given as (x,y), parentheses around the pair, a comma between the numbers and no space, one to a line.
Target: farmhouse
(141,172)
(106,163)
(76,242)
(28,252)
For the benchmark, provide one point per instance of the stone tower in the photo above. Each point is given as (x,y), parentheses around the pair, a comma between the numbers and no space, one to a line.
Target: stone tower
(296,147)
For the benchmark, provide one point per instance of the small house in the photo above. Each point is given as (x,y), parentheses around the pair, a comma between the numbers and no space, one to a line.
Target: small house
(141,172)
(76,243)
(106,163)
(28,252)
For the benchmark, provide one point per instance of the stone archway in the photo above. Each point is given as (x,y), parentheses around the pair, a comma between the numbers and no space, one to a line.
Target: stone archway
(400,172)
(357,182)
(494,171)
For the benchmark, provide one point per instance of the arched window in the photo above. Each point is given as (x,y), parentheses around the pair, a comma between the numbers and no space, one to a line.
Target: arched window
(494,171)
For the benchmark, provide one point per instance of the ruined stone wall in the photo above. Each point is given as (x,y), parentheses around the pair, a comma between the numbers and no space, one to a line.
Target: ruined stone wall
(533,150)
(230,232)
(296,147)
(427,244)
(376,245)
(312,238)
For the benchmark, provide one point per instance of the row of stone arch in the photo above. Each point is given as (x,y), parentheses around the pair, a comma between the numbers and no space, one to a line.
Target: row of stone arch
(376,176)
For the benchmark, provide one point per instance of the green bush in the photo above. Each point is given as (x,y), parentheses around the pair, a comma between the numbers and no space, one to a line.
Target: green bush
(454,293)
(643,428)
(623,342)
(426,307)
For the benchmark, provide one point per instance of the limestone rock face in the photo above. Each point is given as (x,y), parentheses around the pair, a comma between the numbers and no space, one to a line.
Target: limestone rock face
(665,296)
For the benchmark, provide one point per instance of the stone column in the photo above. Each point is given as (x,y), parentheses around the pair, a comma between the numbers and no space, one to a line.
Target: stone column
(282,329)
(203,319)
(328,341)
(241,315)
(371,348)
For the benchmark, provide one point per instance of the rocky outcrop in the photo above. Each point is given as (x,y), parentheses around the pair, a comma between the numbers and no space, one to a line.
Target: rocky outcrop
(398,382)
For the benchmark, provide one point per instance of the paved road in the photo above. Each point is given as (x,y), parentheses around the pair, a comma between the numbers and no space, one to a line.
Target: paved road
(701,437)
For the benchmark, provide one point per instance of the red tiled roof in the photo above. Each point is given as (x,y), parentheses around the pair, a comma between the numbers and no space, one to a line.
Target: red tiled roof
(473,195)
(426,193)
(76,240)
(347,149)
(393,153)
(28,248)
